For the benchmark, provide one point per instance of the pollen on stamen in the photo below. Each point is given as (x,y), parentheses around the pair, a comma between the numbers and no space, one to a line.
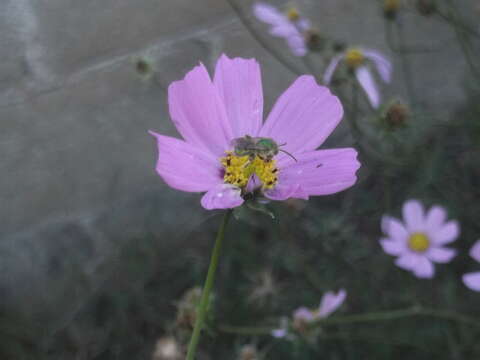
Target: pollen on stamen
(419,242)
(293,14)
(239,170)
(354,58)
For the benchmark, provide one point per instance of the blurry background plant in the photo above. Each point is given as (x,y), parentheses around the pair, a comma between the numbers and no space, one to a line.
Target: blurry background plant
(421,142)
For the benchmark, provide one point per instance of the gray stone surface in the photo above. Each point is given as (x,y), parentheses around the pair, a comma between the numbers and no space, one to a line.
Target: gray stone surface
(74,118)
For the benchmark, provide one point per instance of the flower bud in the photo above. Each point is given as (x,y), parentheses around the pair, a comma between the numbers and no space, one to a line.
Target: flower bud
(390,8)
(314,40)
(396,115)
(248,352)
(144,67)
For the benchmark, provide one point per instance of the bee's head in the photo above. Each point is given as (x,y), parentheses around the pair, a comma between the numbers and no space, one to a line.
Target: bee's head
(267,144)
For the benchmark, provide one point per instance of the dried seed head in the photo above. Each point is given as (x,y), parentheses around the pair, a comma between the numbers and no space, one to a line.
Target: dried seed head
(187,308)
(248,352)
(167,348)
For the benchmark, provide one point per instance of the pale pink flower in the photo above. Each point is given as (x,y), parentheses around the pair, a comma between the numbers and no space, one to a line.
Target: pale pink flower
(290,26)
(358,60)
(330,302)
(420,240)
(282,331)
(472,280)
(210,114)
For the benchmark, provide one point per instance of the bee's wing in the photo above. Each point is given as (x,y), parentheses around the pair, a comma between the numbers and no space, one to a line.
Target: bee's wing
(242,143)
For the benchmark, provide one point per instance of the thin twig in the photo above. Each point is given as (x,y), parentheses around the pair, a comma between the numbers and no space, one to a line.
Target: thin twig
(364,318)
(248,25)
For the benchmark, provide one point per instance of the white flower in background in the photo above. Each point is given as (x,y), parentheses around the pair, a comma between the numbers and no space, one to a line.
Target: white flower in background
(289,25)
(358,60)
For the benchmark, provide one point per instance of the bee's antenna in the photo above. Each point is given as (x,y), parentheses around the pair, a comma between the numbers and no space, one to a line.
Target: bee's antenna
(286,152)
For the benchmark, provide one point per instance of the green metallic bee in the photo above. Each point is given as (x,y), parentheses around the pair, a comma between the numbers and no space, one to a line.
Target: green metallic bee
(264,148)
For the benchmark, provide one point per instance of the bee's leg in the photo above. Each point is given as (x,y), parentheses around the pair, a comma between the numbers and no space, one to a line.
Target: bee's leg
(251,157)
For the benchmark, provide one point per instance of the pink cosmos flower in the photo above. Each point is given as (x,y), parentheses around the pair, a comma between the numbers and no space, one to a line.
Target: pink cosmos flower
(212,115)
(419,242)
(472,280)
(302,316)
(289,26)
(356,60)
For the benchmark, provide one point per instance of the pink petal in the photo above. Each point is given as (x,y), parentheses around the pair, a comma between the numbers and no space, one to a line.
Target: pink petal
(331,302)
(279,333)
(296,42)
(239,85)
(198,112)
(423,268)
(383,65)
(365,79)
(472,280)
(475,251)
(268,14)
(435,218)
(222,196)
(327,77)
(414,216)
(418,264)
(186,167)
(440,254)
(303,24)
(284,192)
(407,261)
(320,172)
(283,30)
(393,247)
(303,116)
(395,229)
(302,313)
(446,233)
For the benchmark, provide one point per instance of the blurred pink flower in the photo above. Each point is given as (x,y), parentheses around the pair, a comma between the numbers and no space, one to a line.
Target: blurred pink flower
(302,316)
(290,26)
(329,303)
(419,242)
(472,280)
(210,114)
(282,331)
(356,60)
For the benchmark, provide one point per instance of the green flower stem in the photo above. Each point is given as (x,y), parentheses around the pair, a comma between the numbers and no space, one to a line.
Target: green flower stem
(207,288)
(364,318)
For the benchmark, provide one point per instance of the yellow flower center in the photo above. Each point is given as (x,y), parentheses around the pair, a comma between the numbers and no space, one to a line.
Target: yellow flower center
(354,58)
(293,14)
(239,169)
(391,5)
(418,242)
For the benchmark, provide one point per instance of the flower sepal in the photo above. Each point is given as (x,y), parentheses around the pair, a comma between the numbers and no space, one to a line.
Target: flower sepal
(254,205)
